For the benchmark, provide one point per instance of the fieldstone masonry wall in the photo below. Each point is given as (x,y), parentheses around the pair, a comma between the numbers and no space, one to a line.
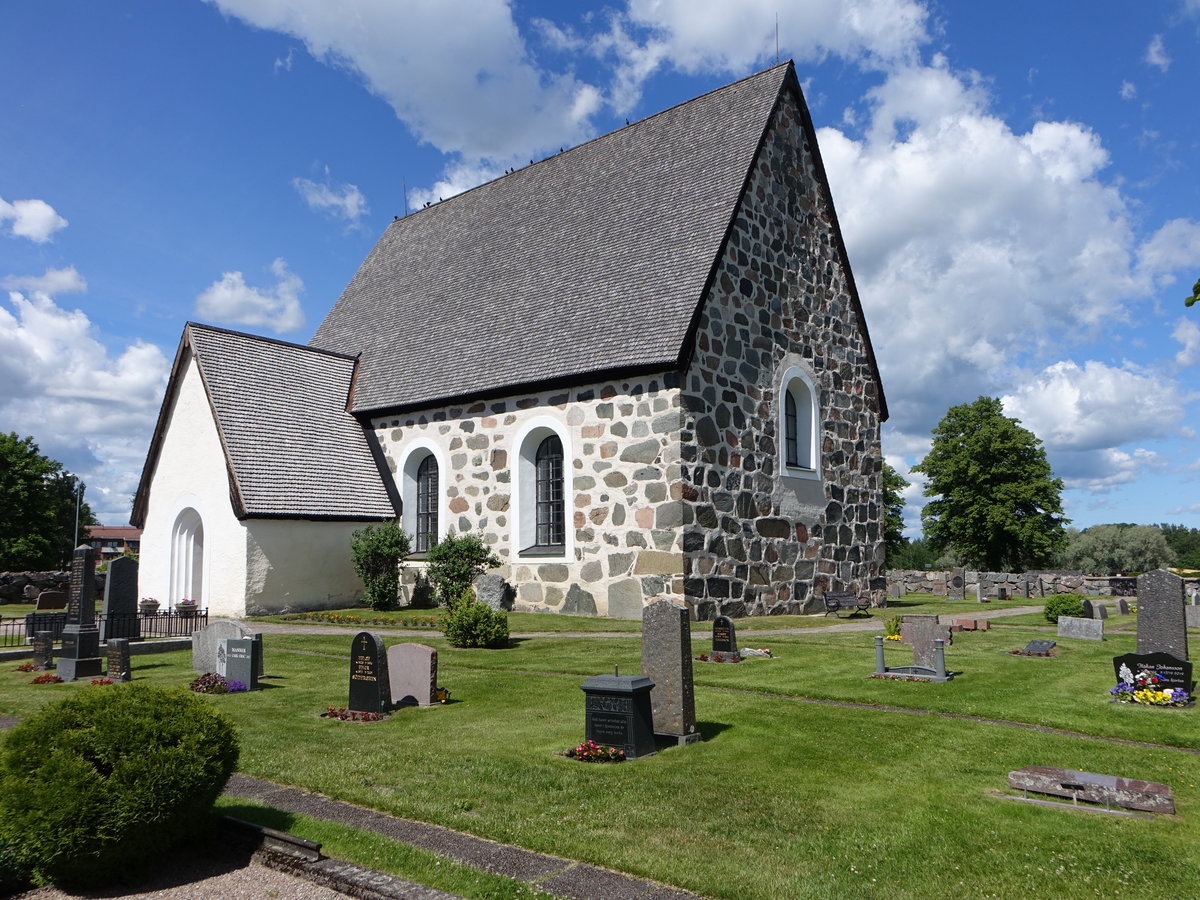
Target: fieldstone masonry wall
(1038,584)
(623,483)
(758,540)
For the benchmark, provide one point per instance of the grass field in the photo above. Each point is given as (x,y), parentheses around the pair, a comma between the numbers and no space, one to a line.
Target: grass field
(785,797)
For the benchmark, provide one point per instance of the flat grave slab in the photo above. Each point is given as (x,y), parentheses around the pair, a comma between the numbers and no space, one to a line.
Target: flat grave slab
(1108,790)
(1038,648)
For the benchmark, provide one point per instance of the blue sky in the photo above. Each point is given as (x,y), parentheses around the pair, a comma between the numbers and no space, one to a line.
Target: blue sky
(1018,187)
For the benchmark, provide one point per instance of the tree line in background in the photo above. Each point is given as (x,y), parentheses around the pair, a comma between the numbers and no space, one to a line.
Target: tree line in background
(39,503)
(996,506)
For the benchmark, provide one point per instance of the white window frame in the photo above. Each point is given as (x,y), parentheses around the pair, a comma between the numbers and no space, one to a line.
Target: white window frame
(524,497)
(413,455)
(799,384)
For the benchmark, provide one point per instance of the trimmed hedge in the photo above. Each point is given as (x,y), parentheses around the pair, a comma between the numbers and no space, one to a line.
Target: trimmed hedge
(1070,605)
(95,786)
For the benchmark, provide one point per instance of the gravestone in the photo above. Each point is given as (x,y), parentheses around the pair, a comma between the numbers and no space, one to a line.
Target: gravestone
(895,590)
(494,591)
(43,650)
(116,655)
(1101,611)
(1089,611)
(50,601)
(80,655)
(1172,671)
(1002,594)
(617,713)
(1038,648)
(370,687)
(412,675)
(241,660)
(207,641)
(1161,626)
(1082,629)
(1111,790)
(958,584)
(979,598)
(667,662)
(1191,616)
(120,618)
(920,631)
(1123,606)
(724,635)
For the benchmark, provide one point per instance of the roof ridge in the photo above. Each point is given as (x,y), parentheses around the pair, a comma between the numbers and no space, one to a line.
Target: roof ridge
(662,112)
(268,340)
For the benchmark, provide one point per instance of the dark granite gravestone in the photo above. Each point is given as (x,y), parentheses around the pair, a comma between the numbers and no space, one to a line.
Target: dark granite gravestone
(116,656)
(1123,606)
(1101,611)
(43,650)
(370,687)
(667,661)
(724,635)
(51,601)
(1161,626)
(617,711)
(1082,629)
(1038,648)
(50,614)
(1002,594)
(1127,793)
(80,655)
(1089,611)
(412,675)
(921,631)
(958,584)
(241,661)
(1173,672)
(120,613)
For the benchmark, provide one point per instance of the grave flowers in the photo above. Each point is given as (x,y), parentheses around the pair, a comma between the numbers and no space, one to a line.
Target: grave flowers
(590,751)
(1147,688)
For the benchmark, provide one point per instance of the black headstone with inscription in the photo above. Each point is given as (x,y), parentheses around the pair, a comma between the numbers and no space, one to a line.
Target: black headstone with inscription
(1172,671)
(120,613)
(242,661)
(80,656)
(117,657)
(43,650)
(370,686)
(724,638)
(618,713)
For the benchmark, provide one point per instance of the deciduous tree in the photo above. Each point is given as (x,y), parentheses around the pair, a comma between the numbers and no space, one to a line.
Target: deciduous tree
(893,509)
(37,507)
(995,499)
(1116,549)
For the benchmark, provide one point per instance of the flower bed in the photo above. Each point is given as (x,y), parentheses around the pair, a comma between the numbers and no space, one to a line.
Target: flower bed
(47,678)
(342,714)
(590,751)
(1148,689)
(430,622)
(211,683)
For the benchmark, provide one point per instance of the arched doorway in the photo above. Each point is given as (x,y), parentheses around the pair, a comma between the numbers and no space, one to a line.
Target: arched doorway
(187,558)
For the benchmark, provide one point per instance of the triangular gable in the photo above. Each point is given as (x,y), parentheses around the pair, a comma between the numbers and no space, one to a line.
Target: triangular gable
(291,448)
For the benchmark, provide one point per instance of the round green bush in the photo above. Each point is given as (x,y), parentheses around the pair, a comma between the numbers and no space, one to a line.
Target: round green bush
(95,785)
(1063,605)
(471,623)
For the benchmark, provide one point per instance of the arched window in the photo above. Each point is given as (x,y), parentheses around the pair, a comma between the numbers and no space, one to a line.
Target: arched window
(798,424)
(541,491)
(421,494)
(426,531)
(551,518)
(187,558)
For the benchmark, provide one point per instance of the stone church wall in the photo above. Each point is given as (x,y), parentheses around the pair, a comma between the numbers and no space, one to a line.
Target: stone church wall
(758,541)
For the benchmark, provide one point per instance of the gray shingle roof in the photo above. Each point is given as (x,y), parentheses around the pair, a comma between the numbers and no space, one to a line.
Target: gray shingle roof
(292,448)
(592,260)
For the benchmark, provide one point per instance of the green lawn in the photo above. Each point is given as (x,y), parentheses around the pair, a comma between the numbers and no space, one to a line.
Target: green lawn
(783,798)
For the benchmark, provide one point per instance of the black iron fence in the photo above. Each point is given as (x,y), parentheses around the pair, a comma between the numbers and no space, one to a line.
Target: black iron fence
(19,631)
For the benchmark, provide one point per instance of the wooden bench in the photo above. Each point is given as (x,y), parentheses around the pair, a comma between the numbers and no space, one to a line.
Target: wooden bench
(836,601)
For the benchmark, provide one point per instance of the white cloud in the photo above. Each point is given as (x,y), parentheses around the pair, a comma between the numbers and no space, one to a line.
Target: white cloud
(343,201)
(1128,90)
(1156,54)
(1173,247)
(33,219)
(1099,473)
(462,81)
(459,177)
(1095,406)
(1187,332)
(231,301)
(53,282)
(85,408)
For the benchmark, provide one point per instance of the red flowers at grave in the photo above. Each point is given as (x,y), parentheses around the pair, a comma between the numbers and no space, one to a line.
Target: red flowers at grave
(590,751)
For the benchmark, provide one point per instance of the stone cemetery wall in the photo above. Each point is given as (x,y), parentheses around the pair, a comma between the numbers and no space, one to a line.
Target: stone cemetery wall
(23,587)
(758,539)
(1040,584)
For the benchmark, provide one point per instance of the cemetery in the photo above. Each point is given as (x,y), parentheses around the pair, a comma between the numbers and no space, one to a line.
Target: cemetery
(765,761)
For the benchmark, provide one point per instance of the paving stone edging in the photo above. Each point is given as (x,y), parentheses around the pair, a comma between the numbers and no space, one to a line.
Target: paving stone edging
(562,877)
